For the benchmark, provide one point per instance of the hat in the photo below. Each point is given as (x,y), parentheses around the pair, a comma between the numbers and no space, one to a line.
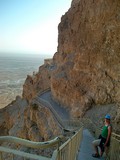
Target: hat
(107,116)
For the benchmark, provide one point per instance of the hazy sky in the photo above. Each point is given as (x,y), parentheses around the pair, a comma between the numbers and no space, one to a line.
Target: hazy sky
(30,26)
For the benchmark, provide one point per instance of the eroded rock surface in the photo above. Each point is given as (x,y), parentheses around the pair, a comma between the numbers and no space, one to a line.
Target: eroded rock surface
(12,118)
(40,124)
(88,56)
(39,82)
(85,71)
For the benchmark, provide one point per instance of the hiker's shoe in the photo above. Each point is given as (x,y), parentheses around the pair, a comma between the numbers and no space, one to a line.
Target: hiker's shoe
(96,155)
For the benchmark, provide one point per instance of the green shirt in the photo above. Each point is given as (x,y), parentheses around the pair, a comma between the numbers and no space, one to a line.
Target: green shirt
(104,133)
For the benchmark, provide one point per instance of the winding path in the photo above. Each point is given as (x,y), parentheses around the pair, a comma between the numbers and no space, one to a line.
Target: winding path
(86,148)
(62,112)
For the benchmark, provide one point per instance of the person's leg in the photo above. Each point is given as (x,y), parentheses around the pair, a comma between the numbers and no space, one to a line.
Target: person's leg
(101,153)
(101,145)
(95,145)
(106,151)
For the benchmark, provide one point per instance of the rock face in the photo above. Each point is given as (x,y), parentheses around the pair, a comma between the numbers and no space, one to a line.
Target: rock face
(33,121)
(39,123)
(12,118)
(29,121)
(84,71)
(88,56)
(38,82)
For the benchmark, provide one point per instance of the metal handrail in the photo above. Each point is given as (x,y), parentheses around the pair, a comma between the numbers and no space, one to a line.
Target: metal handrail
(69,150)
(31,144)
(117,136)
(114,150)
(21,154)
(27,143)
(72,142)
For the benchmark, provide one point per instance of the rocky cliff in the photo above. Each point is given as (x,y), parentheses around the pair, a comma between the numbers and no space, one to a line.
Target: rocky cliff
(88,56)
(39,123)
(30,121)
(85,72)
(38,82)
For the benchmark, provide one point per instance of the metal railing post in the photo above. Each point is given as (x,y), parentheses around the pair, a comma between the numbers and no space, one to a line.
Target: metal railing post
(1,156)
(12,156)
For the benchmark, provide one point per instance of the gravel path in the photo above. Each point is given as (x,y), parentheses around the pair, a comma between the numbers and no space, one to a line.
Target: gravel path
(61,111)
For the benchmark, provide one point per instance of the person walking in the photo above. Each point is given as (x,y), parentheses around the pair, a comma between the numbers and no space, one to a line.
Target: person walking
(104,139)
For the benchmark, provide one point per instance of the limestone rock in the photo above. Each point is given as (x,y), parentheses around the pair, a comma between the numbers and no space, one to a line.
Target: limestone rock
(11,118)
(40,123)
(88,57)
(28,121)
(39,82)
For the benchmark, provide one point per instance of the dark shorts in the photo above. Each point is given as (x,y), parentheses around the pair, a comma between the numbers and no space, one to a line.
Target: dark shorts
(102,142)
